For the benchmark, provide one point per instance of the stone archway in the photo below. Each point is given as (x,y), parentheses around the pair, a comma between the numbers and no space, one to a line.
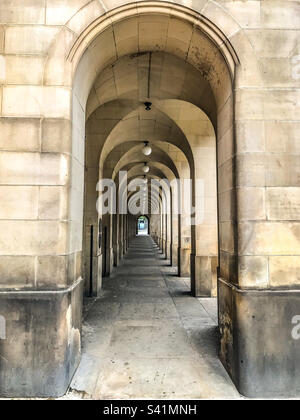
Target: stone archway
(255,115)
(117,88)
(80,63)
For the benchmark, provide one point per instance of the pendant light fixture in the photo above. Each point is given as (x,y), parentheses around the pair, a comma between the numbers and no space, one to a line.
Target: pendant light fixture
(148,104)
(146,149)
(146,168)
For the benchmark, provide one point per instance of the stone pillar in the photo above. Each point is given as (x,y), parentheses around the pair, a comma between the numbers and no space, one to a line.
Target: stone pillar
(39,363)
(175,234)
(259,300)
(120,241)
(174,260)
(124,235)
(127,232)
(41,244)
(116,251)
(107,251)
(185,242)
(204,258)
(92,259)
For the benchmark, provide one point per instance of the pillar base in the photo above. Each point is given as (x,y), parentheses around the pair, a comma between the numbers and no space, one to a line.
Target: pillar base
(41,348)
(260,344)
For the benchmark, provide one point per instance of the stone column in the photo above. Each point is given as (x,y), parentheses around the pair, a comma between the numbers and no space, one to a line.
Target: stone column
(175,236)
(116,239)
(259,280)
(41,239)
(184,250)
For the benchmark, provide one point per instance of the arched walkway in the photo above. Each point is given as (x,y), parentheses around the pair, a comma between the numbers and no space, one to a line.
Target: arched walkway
(147,337)
(214,88)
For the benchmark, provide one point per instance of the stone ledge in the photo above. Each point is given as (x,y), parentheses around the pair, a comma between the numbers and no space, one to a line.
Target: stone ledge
(28,293)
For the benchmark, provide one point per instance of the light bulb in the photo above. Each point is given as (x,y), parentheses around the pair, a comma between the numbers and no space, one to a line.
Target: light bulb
(146,168)
(147,149)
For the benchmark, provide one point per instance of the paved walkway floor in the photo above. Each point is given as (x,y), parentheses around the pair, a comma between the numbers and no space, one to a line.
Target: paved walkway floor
(146,337)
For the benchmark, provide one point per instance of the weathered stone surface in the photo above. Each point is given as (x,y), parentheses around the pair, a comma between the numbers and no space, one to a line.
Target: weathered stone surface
(48,359)
(284,271)
(19,202)
(283,203)
(58,12)
(184,269)
(53,203)
(51,272)
(253,272)
(279,14)
(29,39)
(205,276)
(259,367)
(35,101)
(24,70)
(19,168)
(28,12)
(251,203)
(13,131)
(17,272)
(33,237)
(269,238)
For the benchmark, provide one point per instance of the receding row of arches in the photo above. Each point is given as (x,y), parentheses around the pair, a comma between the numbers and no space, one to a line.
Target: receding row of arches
(167,79)
(181,128)
(110,80)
